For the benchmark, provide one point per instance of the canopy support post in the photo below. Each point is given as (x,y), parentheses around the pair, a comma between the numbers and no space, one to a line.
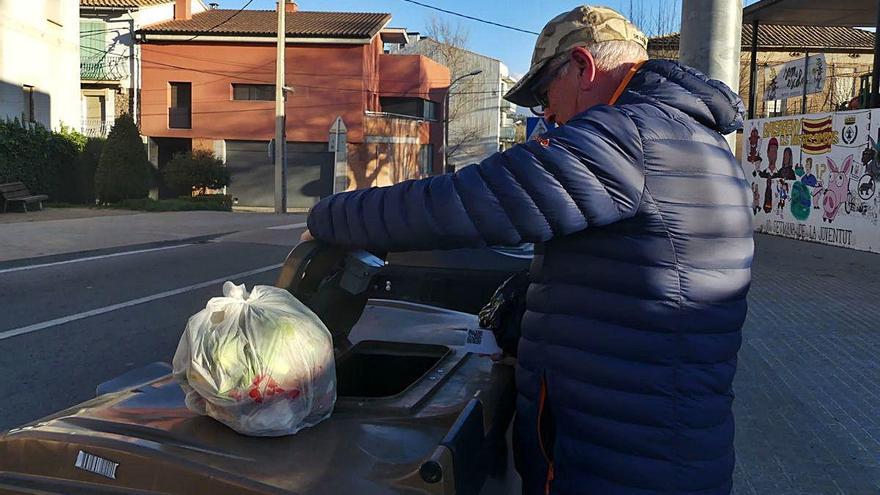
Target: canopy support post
(753,68)
(875,76)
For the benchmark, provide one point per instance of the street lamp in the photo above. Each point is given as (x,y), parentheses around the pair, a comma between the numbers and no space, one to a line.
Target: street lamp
(446,168)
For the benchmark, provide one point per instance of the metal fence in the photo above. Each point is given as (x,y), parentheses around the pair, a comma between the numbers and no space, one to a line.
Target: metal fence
(96,127)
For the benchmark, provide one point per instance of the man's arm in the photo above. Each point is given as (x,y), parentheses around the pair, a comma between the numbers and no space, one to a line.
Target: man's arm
(589,172)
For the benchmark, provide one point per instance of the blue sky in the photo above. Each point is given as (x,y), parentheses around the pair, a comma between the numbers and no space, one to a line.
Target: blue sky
(512,48)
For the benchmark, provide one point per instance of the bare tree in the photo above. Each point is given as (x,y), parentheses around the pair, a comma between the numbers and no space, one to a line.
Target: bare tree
(447,44)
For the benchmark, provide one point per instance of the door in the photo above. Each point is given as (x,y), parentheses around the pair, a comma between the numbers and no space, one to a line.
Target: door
(309,173)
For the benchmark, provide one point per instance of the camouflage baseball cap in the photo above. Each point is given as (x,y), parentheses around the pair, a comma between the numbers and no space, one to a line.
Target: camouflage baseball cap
(582,26)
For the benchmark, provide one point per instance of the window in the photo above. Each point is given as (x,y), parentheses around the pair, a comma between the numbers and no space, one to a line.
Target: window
(412,107)
(92,39)
(260,92)
(180,111)
(430,111)
(426,159)
(27,110)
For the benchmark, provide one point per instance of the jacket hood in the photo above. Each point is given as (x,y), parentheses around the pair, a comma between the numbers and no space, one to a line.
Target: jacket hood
(709,101)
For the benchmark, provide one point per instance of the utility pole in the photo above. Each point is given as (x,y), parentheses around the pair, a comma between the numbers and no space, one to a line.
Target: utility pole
(446,167)
(711,32)
(280,118)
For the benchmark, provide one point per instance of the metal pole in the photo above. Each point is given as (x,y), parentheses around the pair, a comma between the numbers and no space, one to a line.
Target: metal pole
(280,144)
(446,132)
(132,78)
(753,69)
(804,95)
(446,168)
(875,78)
(711,32)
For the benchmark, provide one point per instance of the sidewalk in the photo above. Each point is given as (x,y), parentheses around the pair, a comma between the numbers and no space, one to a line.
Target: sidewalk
(68,230)
(808,384)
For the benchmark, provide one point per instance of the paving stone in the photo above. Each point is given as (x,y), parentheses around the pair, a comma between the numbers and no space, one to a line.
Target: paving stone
(808,384)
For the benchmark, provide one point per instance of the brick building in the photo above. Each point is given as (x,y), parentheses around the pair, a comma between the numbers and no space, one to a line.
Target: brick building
(208,82)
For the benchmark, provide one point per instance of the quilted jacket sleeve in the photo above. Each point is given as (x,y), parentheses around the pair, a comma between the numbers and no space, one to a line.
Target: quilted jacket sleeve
(589,172)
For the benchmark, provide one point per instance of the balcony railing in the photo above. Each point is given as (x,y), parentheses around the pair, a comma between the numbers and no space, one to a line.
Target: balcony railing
(96,127)
(508,133)
(103,68)
(179,118)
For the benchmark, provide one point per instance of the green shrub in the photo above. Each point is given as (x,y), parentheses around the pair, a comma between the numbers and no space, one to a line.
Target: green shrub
(214,202)
(197,170)
(86,165)
(40,158)
(123,171)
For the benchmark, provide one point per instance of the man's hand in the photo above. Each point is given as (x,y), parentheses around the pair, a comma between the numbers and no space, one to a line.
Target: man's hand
(306,236)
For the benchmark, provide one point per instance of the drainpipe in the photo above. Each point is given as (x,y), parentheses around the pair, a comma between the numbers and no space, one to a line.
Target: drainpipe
(132,69)
(711,32)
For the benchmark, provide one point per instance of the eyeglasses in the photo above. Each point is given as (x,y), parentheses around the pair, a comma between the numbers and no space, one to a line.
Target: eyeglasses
(542,87)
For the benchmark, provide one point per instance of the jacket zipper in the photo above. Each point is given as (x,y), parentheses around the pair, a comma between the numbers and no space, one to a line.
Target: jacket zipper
(542,399)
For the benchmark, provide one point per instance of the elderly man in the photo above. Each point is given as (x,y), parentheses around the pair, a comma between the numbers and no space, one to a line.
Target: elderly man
(642,224)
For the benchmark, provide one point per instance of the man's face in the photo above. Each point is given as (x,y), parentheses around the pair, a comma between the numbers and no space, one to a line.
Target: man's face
(565,94)
(771,153)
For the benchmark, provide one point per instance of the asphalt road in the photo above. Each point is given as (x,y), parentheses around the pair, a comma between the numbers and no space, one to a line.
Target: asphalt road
(66,327)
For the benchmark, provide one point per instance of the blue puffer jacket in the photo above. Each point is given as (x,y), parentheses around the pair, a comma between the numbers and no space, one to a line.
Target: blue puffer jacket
(638,294)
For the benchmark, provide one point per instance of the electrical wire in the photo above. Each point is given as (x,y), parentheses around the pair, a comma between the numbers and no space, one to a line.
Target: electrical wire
(484,21)
(239,11)
(240,77)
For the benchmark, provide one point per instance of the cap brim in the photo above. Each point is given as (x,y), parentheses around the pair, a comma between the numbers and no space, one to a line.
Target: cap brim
(521,92)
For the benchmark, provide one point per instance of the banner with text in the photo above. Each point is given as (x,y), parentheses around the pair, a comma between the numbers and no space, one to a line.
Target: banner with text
(789,80)
(814,177)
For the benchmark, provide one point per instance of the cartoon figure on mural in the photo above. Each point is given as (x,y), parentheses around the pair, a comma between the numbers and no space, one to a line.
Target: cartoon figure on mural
(772,154)
(812,182)
(756,198)
(786,172)
(769,174)
(782,195)
(835,193)
(754,150)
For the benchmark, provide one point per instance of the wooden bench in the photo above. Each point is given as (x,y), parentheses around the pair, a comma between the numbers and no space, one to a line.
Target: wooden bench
(17,192)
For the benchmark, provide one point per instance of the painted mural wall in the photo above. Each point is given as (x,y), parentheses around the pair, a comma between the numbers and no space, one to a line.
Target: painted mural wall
(815,177)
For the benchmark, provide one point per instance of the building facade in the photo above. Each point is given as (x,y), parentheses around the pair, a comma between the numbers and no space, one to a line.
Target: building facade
(848,55)
(38,60)
(480,120)
(208,82)
(109,58)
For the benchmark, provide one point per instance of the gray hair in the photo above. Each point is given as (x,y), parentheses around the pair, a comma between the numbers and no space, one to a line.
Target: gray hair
(611,57)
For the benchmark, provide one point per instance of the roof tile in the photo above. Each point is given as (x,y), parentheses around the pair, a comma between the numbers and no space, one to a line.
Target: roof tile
(122,3)
(264,22)
(790,38)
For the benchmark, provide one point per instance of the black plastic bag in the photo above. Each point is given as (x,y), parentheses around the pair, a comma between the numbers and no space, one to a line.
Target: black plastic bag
(504,311)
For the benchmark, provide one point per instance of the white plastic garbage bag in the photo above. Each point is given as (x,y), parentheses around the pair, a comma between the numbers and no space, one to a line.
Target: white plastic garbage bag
(262,363)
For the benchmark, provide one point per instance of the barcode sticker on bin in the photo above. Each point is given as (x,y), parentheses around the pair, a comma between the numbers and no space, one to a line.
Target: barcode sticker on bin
(97,465)
(480,341)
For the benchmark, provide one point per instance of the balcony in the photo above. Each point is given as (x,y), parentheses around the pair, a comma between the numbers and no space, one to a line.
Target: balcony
(179,118)
(96,127)
(103,68)
(508,133)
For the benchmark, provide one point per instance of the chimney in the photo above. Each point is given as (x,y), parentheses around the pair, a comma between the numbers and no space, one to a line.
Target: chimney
(290,6)
(182,10)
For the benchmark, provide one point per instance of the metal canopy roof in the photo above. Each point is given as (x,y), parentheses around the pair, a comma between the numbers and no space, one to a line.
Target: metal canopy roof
(852,13)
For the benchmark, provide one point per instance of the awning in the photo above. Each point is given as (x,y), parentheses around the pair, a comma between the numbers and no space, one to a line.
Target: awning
(852,13)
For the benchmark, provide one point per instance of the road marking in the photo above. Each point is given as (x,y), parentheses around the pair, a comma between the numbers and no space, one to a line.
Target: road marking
(288,227)
(133,302)
(91,258)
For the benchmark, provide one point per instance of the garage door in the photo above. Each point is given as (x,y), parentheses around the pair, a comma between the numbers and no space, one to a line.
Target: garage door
(309,173)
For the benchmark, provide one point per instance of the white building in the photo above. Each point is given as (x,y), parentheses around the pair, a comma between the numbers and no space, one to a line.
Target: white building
(39,54)
(481,121)
(110,61)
